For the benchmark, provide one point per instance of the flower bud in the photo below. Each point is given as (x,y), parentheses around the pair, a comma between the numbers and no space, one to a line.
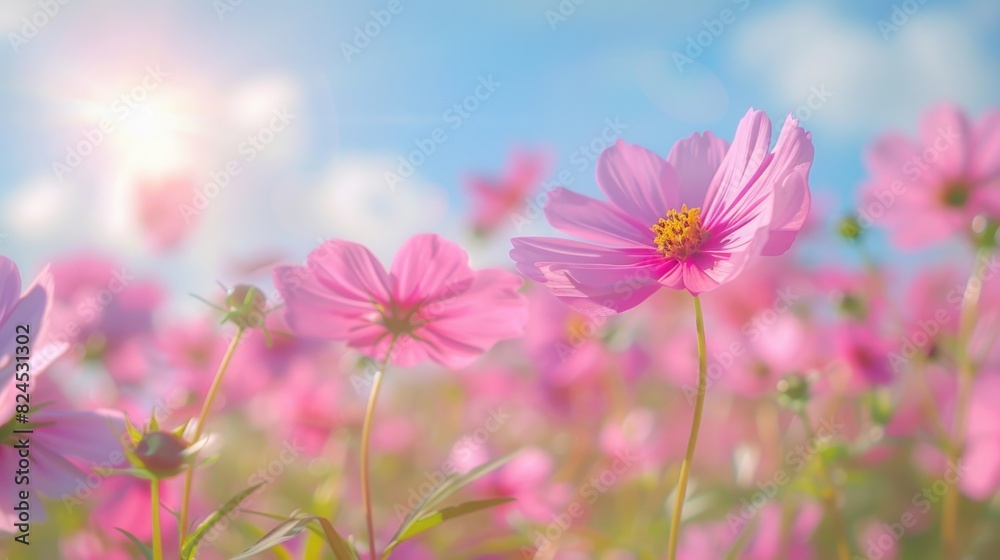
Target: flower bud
(246,306)
(162,453)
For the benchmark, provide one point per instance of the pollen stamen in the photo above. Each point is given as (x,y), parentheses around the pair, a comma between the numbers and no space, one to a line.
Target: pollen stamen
(679,234)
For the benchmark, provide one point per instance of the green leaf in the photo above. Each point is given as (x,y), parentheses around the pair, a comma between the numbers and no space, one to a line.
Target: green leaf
(341,549)
(288,530)
(292,528)
(436,518)
(147,553)
(192,543)
(452,484)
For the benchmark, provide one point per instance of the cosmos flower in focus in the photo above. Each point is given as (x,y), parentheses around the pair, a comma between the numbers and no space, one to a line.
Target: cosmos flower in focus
(928,189)
(429,301)
(692,221)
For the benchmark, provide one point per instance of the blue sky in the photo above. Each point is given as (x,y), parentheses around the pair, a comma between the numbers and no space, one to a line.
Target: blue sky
(560,80)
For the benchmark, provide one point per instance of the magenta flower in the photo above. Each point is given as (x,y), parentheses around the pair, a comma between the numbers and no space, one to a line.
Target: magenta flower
(430,301)
(691,221)
(928,189)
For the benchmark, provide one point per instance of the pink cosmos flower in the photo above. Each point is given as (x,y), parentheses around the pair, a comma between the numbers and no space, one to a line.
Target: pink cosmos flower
(429,301)
(928,189)
(691,221)
(494,199)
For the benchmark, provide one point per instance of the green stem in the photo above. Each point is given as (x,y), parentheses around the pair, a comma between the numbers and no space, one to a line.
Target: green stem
(699,405)
(154,486)
(830,495)
(200,426)
(366,430)
(966,375)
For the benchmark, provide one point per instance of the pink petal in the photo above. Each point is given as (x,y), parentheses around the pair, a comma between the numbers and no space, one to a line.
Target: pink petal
(334,298)
(985,164)
(427,266)
(731,190)
(461,328)
(10,287)
(788,176)
(945,130)
(696,159)
(982,477)
(592,279)
(636,180)
(30,309)
(594,220)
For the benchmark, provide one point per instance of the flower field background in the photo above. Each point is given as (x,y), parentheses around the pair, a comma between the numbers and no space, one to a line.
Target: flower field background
(569,280)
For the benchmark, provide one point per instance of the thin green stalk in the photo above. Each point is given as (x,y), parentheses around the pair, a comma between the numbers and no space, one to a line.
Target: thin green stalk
(830,496)
(154,486)
(966,375)
(699,405)
(366,430)
(200,426)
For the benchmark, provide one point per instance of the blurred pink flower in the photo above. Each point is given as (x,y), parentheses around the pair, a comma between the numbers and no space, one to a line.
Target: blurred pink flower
(165,229)
(692,221)
(107,313)
(430,301)
(928,189)
(982,451)
(496,198)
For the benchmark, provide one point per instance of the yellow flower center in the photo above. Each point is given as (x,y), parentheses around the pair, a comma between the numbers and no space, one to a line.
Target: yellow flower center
(679,235)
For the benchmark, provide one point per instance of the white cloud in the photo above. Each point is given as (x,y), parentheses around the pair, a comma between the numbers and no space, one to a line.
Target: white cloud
(353,201)
(875,81)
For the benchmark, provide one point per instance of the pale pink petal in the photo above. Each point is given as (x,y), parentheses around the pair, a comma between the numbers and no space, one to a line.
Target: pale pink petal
(636,180)
(591,279)
(312,310)
(413,279)
(350,270)
(734,187)
(696,159)
(985,164)
(594,220)
(945,131)
(462,327)
(787,176)
(10,287)
(30,310)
